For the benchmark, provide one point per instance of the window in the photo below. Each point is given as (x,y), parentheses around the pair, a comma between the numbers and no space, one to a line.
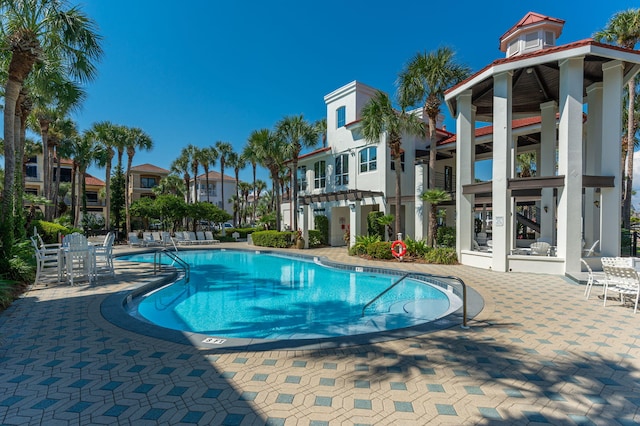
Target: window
(32,171)
(513,48)
(368,159)
(448,178)
(147,182)
(342,169)
(302,178)
(531,40)
(320,178)
(92,197)
(32,191)
(393,163)
(65,174)
(549,38)
(341,117)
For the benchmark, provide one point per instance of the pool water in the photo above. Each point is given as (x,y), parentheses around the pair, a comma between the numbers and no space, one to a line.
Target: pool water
(266,296)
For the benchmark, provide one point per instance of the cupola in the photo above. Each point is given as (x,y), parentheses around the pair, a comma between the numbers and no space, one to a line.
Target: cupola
(533,32)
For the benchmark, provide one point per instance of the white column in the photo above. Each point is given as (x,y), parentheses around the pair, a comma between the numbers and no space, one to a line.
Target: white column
(303,222)
(611,157)
(502,169)
(354,221)
(593,149)
(420,212)
(570,163)
(465,158)
(547,167)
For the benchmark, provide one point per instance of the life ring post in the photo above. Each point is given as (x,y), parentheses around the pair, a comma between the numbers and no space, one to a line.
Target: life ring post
(398,254)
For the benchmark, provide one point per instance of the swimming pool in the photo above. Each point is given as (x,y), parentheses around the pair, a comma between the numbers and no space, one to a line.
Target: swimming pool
(247,294)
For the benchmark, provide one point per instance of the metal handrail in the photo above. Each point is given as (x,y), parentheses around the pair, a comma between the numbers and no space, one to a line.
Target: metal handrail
(420,275)
(157,261)
(383,293)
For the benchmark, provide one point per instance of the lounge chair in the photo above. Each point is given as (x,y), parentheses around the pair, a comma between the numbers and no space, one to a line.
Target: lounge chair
(598,278)
(209,237)
(148,239)
(134,241)
(623,280)
(590,251)
(191,237)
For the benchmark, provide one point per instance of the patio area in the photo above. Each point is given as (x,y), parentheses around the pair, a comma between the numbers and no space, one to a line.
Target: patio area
(537,353)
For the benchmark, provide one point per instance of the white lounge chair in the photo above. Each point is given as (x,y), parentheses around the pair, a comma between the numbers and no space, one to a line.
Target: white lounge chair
(148,240)
(134,241)
(590,251)
(623,280)
(209,237)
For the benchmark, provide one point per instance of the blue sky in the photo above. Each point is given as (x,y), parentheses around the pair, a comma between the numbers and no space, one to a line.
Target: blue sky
(206,70)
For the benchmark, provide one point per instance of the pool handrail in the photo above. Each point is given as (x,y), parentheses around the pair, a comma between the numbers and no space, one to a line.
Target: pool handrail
(420,275)
(157,261)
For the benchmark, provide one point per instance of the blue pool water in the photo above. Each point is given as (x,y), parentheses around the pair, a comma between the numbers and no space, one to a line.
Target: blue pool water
(267,296)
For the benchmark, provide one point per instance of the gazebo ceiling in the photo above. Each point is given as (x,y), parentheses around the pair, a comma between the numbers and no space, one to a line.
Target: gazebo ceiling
(533,86)
(536,77)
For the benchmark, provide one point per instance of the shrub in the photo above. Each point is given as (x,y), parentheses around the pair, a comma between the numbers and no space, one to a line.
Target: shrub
(442,256)
(315,238)
(446,236)
(242,231)
(272,238)
(321,224)
(416,248)
(373,226)
(363,242)
(49,231)
(380,250)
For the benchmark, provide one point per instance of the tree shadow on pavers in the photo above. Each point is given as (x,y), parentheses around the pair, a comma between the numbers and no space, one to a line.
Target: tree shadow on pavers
(566,387)
(62,363)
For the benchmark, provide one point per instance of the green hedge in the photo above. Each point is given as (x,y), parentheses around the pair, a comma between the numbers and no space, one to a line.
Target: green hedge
(380,250)
(442,256)
(49,231)
(315,237)
(322,225)
(242,231)
(373,227)
(272,238)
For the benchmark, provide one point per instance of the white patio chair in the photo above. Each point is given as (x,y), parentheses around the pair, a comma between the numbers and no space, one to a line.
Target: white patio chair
(79,258)
(104,256)
(48,261)
(598,278)
(590,251)
(540,248)
(626,283)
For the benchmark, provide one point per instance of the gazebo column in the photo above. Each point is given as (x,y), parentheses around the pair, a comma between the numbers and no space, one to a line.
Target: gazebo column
(592,154)
(420,212)
(502,169)
(465,158)
(303,222)
(547,167)
(570,163)
(612,86)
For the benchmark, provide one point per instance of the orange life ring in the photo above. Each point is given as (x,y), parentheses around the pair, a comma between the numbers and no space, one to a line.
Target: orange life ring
(403,248)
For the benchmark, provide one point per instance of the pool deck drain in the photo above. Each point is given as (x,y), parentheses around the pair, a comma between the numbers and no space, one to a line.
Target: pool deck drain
(537,353)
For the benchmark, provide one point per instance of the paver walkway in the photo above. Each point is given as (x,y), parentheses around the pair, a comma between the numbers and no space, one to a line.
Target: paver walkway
(537,354)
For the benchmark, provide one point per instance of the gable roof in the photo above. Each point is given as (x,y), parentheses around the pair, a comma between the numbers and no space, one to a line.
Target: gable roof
(531,19)
(149,168)
(487,130)
(213,175)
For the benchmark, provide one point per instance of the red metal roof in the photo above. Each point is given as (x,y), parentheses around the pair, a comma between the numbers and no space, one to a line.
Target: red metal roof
(487,130)
(532,18)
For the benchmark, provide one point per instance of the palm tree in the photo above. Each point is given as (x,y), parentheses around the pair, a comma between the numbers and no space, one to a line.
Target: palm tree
(379,116)
(238,162)
(181,166)
(32,31)
(250,154)
(194,155)
(106,135)
(424,80)
(434,197)
(321,127)
(245,190)
(223,149)
(137,139)
(623,29)
(207,157)
(270,151)
(84,148)
(297,133)
(170,185)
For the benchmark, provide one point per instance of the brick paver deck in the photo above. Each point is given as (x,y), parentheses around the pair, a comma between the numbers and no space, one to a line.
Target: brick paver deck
(537,353)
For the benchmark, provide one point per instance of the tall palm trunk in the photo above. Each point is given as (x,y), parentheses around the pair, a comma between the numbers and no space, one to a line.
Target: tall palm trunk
(108,189)
(206,180)
(293,193)
(628,188)
(127,197)
(255,201)
(74,213)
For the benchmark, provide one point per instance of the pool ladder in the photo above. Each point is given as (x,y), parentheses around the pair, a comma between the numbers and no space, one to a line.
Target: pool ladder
(157,262)
(418,279)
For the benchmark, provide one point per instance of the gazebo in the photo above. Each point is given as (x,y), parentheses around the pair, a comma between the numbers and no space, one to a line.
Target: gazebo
(575,90)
